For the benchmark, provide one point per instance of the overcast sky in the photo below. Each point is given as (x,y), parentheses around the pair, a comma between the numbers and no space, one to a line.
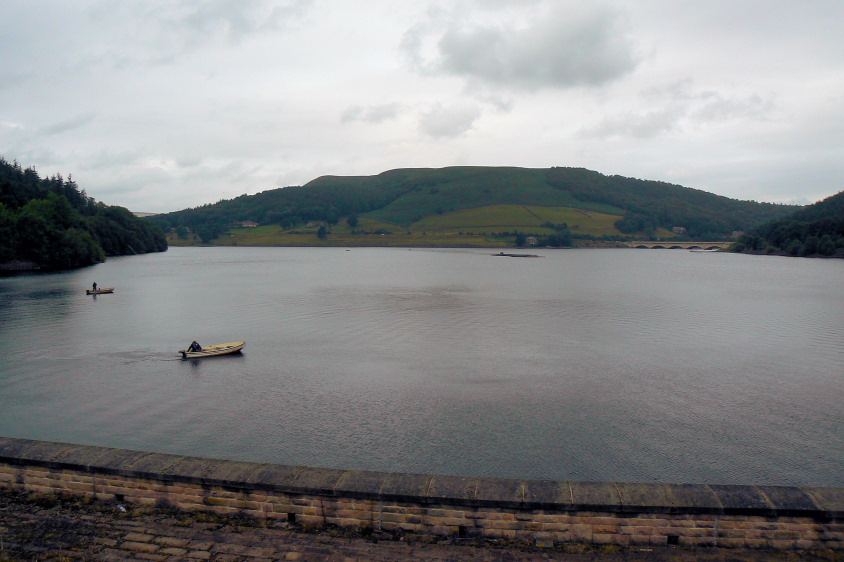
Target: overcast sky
(159,105)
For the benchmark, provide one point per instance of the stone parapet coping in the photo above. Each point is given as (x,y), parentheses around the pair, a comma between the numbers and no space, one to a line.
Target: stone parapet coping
(820,503)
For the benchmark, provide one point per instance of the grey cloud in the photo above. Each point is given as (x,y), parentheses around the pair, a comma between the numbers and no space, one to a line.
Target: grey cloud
(677,106)
(637,125)
(448,122)
(557,50)
(162,33)
(237,18)
(717,108)
(370,114)
(69,124)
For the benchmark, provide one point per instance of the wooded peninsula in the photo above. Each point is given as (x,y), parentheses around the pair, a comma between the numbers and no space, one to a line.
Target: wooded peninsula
(49,223)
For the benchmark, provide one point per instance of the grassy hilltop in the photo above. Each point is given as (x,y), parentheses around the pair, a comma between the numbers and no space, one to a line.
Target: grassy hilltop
(467,206)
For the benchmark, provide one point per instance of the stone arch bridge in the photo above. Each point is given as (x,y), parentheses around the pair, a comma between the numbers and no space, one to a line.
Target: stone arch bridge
(671,245)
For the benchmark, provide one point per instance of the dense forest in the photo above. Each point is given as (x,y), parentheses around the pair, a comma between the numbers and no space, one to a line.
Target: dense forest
(814,230)
(50,223)
(404,196)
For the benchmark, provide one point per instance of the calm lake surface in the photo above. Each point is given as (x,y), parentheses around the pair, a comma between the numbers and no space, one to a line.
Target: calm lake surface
(627,365)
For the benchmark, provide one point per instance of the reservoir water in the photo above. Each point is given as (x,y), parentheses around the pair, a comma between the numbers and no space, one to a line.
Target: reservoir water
(625,365)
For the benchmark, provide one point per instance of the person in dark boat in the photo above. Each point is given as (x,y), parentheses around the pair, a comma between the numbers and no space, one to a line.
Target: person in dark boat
(194,346)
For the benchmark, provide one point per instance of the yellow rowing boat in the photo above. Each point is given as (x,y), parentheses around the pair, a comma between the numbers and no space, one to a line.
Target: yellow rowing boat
(214,350)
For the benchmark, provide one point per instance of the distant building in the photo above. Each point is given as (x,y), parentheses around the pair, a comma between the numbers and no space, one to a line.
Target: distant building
(679,230)
(531,240)
(738,234)
(248,224)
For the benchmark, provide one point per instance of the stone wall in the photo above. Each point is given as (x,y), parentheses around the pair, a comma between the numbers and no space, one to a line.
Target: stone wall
(544,512)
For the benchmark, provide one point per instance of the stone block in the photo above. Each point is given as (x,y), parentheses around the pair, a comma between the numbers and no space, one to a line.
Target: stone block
(139,546)
(79,487)
(358,514)
(831,500)
(409,488)
(643,497)
(562,536)
(310,519)
(320,481)
(171,541)
(635,530)
(608,520)
(622,540)
(693,532)
(555,527)
(595,496)
(393,508)
(697,541)
(256,496)
(742,499)
(149,466)
(453,487)
(441,530)
(411,527)
(357,483)
(492,533)
(640,539)
(779,544)
(732,542)
(580,532)
(498,524)
(789,500)
(786,535)
(500,492)
(550,517)
(397,518)
(173,552)
(694,498)
(224,510)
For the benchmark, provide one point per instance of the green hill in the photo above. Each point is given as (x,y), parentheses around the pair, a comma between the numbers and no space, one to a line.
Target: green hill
(814,230)
(470,203)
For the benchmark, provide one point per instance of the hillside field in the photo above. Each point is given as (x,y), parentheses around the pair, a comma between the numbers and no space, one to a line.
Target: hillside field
(492,226)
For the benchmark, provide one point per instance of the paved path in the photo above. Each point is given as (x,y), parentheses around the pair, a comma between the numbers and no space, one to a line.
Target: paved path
(45,527)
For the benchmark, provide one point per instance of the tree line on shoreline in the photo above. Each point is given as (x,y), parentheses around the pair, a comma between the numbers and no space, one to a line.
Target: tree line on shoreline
(49,223)
(816,230)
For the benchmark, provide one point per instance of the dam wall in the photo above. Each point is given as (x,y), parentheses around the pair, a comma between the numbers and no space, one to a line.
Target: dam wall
(545,513)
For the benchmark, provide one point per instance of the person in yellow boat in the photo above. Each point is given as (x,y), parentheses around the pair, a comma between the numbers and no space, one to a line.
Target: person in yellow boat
(194,346)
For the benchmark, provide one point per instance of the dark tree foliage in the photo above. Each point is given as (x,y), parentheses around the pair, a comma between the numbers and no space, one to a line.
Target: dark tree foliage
(52,223)
(652,204)
(815,230)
